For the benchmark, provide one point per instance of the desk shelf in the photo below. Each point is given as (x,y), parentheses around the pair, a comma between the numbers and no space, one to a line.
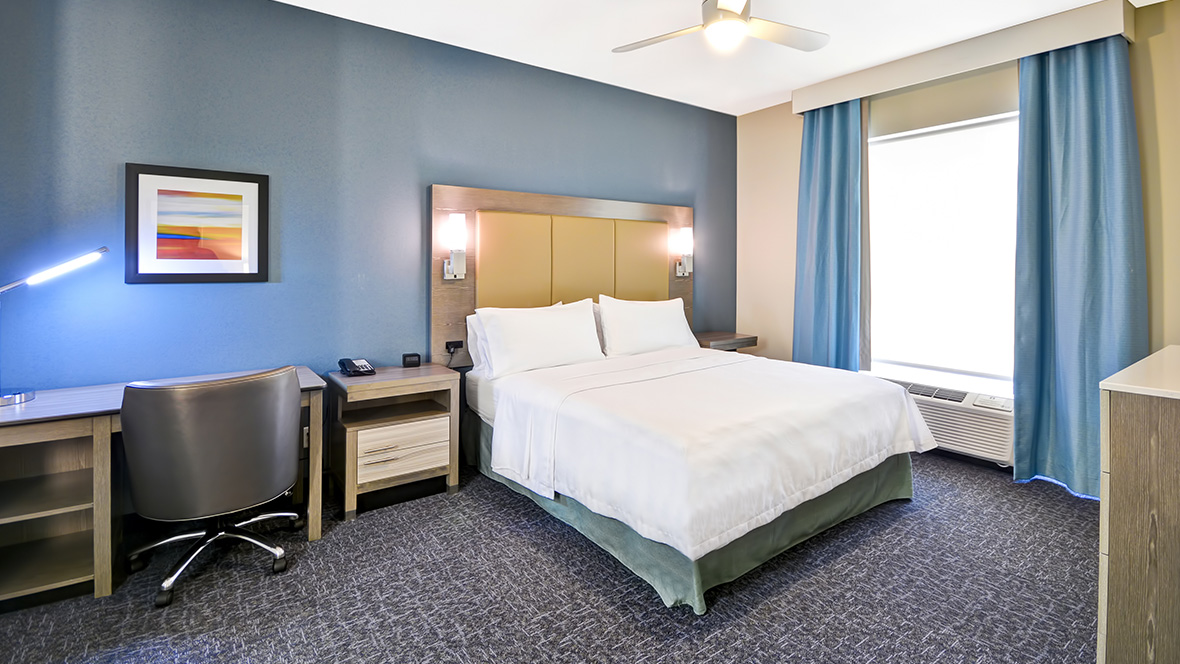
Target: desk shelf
(45,564)
(46,495)
(60,493)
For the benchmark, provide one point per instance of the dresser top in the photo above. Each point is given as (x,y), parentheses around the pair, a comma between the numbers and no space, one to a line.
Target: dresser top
(1156,375)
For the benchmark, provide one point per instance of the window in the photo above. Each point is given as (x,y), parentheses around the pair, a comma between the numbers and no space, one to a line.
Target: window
(942,243)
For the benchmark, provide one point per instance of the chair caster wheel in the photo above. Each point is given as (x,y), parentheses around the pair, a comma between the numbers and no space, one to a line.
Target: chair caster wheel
(136,563)
(298,524)
(279,565)
(163,598)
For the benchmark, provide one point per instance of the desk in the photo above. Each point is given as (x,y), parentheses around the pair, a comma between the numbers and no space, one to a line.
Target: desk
(56,487)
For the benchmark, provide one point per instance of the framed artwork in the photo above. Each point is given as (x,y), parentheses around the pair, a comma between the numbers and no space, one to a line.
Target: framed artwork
(186,225)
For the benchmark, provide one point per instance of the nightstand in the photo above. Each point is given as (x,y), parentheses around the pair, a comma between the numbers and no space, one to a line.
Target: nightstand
(397,426)
(726,340)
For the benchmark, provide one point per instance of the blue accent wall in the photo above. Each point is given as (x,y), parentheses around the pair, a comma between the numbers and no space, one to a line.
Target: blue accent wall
(352,124)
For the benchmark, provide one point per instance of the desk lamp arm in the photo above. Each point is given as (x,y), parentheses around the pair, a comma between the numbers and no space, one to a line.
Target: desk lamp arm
(15,284)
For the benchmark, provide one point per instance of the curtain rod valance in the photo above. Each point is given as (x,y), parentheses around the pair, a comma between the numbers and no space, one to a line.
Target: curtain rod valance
(1076,26)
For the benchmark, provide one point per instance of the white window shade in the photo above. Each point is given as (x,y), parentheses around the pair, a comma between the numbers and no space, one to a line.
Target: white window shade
(943,247)
(977,94)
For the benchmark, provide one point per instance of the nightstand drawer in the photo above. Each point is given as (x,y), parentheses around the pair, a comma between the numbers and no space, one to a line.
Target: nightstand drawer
(402,462)
(381,440)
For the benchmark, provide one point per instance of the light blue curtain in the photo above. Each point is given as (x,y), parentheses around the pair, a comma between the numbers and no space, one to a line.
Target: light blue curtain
(1081,283)
(827,258)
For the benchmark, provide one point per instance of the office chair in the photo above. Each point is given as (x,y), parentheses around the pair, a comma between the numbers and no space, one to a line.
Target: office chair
(203,451)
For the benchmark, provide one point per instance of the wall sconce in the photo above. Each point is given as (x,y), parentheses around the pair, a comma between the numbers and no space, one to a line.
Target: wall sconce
(11,397)
(453,235)
(680,244)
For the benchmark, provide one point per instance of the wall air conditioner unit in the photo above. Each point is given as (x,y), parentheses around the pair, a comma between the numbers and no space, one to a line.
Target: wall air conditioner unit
(977,425)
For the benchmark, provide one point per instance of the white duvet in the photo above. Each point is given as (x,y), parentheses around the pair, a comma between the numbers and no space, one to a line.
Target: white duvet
(694,448)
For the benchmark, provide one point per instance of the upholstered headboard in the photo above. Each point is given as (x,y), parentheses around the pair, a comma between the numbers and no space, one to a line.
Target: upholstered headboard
(527,250)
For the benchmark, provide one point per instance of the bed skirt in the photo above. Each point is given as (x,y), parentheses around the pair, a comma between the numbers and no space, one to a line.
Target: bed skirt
(676,578)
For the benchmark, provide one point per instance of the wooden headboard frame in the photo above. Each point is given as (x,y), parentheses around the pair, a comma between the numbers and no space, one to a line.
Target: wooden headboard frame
(452,301)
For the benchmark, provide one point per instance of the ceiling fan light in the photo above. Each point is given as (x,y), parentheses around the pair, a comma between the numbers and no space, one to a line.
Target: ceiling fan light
(725,35)
(735,6)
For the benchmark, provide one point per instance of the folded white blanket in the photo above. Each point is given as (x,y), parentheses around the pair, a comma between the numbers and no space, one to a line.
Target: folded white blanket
(692,447)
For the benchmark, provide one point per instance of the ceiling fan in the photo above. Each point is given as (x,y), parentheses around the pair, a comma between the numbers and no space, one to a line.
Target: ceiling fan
(727,22)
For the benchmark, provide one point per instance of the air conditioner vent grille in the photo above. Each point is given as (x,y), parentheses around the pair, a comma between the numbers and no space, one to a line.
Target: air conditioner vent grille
(950,395)
(921,390)
(918,389)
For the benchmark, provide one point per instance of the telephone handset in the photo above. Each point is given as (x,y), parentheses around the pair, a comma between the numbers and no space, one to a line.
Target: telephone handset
(357,367)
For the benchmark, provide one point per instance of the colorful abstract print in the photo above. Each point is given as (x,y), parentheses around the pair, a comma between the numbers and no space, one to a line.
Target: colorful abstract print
(197,225)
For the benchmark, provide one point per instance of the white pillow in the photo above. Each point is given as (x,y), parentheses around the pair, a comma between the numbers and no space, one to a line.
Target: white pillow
(598,326)
(630,327)
(477,342)
(525,339)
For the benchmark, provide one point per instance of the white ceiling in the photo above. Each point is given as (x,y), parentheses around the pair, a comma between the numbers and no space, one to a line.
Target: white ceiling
(577,37)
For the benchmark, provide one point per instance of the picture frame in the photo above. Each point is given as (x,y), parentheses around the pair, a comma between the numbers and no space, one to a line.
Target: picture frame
(189,225)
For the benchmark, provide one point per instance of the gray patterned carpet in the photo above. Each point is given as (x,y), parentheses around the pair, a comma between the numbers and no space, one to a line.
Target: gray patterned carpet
(974,569)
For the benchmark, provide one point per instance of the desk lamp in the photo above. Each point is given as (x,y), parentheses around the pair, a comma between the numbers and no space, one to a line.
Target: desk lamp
(10,397)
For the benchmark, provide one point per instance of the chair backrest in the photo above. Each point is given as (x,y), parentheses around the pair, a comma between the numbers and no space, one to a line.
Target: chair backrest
(202,449)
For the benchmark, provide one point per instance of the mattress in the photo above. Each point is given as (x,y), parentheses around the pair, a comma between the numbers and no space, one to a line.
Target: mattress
(481,395)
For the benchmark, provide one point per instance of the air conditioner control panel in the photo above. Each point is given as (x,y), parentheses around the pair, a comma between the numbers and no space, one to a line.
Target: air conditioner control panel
(995,403)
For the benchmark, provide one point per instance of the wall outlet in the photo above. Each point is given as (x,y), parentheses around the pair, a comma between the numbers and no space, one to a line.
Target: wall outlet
(453,346)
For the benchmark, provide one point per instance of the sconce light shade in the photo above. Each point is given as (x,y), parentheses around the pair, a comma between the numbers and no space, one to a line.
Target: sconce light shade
(453,232)
(453,235)
(680,244)
(683,240)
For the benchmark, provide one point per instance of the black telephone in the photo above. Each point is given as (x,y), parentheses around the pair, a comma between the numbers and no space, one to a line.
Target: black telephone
(357,367)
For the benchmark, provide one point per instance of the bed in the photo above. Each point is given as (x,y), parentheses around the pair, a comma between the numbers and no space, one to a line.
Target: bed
(690,466)
(590,395)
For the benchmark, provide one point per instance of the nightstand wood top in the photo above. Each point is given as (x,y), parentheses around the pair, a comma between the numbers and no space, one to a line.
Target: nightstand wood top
(726,340)
(355,387)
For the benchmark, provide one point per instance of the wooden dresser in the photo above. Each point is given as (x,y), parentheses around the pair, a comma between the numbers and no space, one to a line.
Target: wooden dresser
(1139,541)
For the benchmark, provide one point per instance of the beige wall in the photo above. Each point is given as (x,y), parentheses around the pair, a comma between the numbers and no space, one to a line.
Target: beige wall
(1155,78)
(768,181)
(768,146)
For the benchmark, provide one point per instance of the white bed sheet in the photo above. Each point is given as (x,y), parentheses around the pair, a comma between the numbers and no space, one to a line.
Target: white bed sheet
(693,447)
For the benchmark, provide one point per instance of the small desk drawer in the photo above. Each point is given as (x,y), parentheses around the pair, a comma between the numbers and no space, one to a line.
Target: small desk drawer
(403,461)
(381,440)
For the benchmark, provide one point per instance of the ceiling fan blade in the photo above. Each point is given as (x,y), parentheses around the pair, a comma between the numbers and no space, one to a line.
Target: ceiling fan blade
(656,40)
(787,35)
